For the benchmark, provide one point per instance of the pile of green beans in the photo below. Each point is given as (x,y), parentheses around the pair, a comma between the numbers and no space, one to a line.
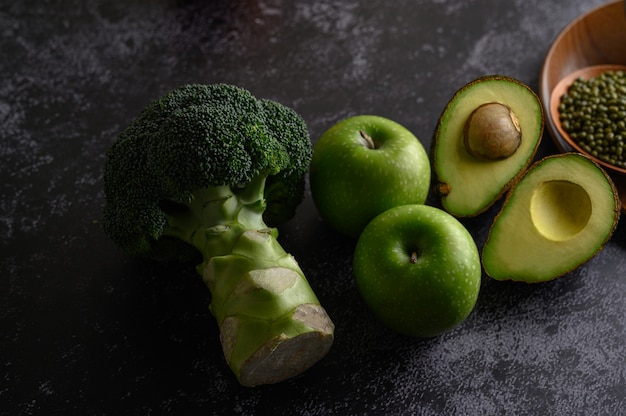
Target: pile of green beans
(593,113)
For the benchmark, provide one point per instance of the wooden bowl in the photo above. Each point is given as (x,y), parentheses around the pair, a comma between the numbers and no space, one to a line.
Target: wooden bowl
(591,44)
(555,100)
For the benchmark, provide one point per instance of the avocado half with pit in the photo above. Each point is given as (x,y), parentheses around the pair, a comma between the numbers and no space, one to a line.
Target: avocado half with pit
(556,218)
(486,137)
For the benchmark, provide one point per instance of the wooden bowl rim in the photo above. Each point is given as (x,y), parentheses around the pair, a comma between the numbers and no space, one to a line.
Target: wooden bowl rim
(547,92)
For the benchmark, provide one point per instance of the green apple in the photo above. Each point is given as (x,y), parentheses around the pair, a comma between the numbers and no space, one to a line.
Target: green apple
(364,165)
(418,269)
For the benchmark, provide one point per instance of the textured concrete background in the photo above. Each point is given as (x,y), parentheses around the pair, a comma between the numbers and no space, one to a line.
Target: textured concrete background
(86,331)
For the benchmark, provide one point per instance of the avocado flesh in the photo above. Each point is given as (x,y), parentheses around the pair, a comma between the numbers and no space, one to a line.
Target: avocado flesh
(468,185)
(559,215)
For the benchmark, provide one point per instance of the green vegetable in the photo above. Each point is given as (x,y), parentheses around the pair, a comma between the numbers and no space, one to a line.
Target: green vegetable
(202,170)
(593,113)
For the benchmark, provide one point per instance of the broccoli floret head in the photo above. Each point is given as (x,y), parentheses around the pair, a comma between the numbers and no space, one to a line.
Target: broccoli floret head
(193,138)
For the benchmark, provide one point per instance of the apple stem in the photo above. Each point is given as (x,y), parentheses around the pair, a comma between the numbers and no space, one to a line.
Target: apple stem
(413,258)
(367,139)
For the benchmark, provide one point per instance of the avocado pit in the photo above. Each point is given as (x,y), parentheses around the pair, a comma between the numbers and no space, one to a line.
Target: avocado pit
(492,132)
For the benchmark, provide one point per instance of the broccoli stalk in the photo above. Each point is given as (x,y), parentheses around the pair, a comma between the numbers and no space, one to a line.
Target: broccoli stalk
(203,170)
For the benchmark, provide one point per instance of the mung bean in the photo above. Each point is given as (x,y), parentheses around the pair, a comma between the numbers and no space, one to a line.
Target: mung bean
(593,113)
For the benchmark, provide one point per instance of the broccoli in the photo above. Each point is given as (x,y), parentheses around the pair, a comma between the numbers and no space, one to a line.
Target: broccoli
(204,173)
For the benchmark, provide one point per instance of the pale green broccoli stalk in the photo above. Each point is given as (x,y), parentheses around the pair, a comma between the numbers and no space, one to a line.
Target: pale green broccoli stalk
(203,170)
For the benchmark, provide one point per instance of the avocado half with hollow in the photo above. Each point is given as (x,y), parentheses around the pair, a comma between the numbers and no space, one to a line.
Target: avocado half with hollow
(486,137)
(557,217)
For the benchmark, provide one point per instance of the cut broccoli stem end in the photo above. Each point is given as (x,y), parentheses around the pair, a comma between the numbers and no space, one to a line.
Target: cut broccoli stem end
(272,326)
